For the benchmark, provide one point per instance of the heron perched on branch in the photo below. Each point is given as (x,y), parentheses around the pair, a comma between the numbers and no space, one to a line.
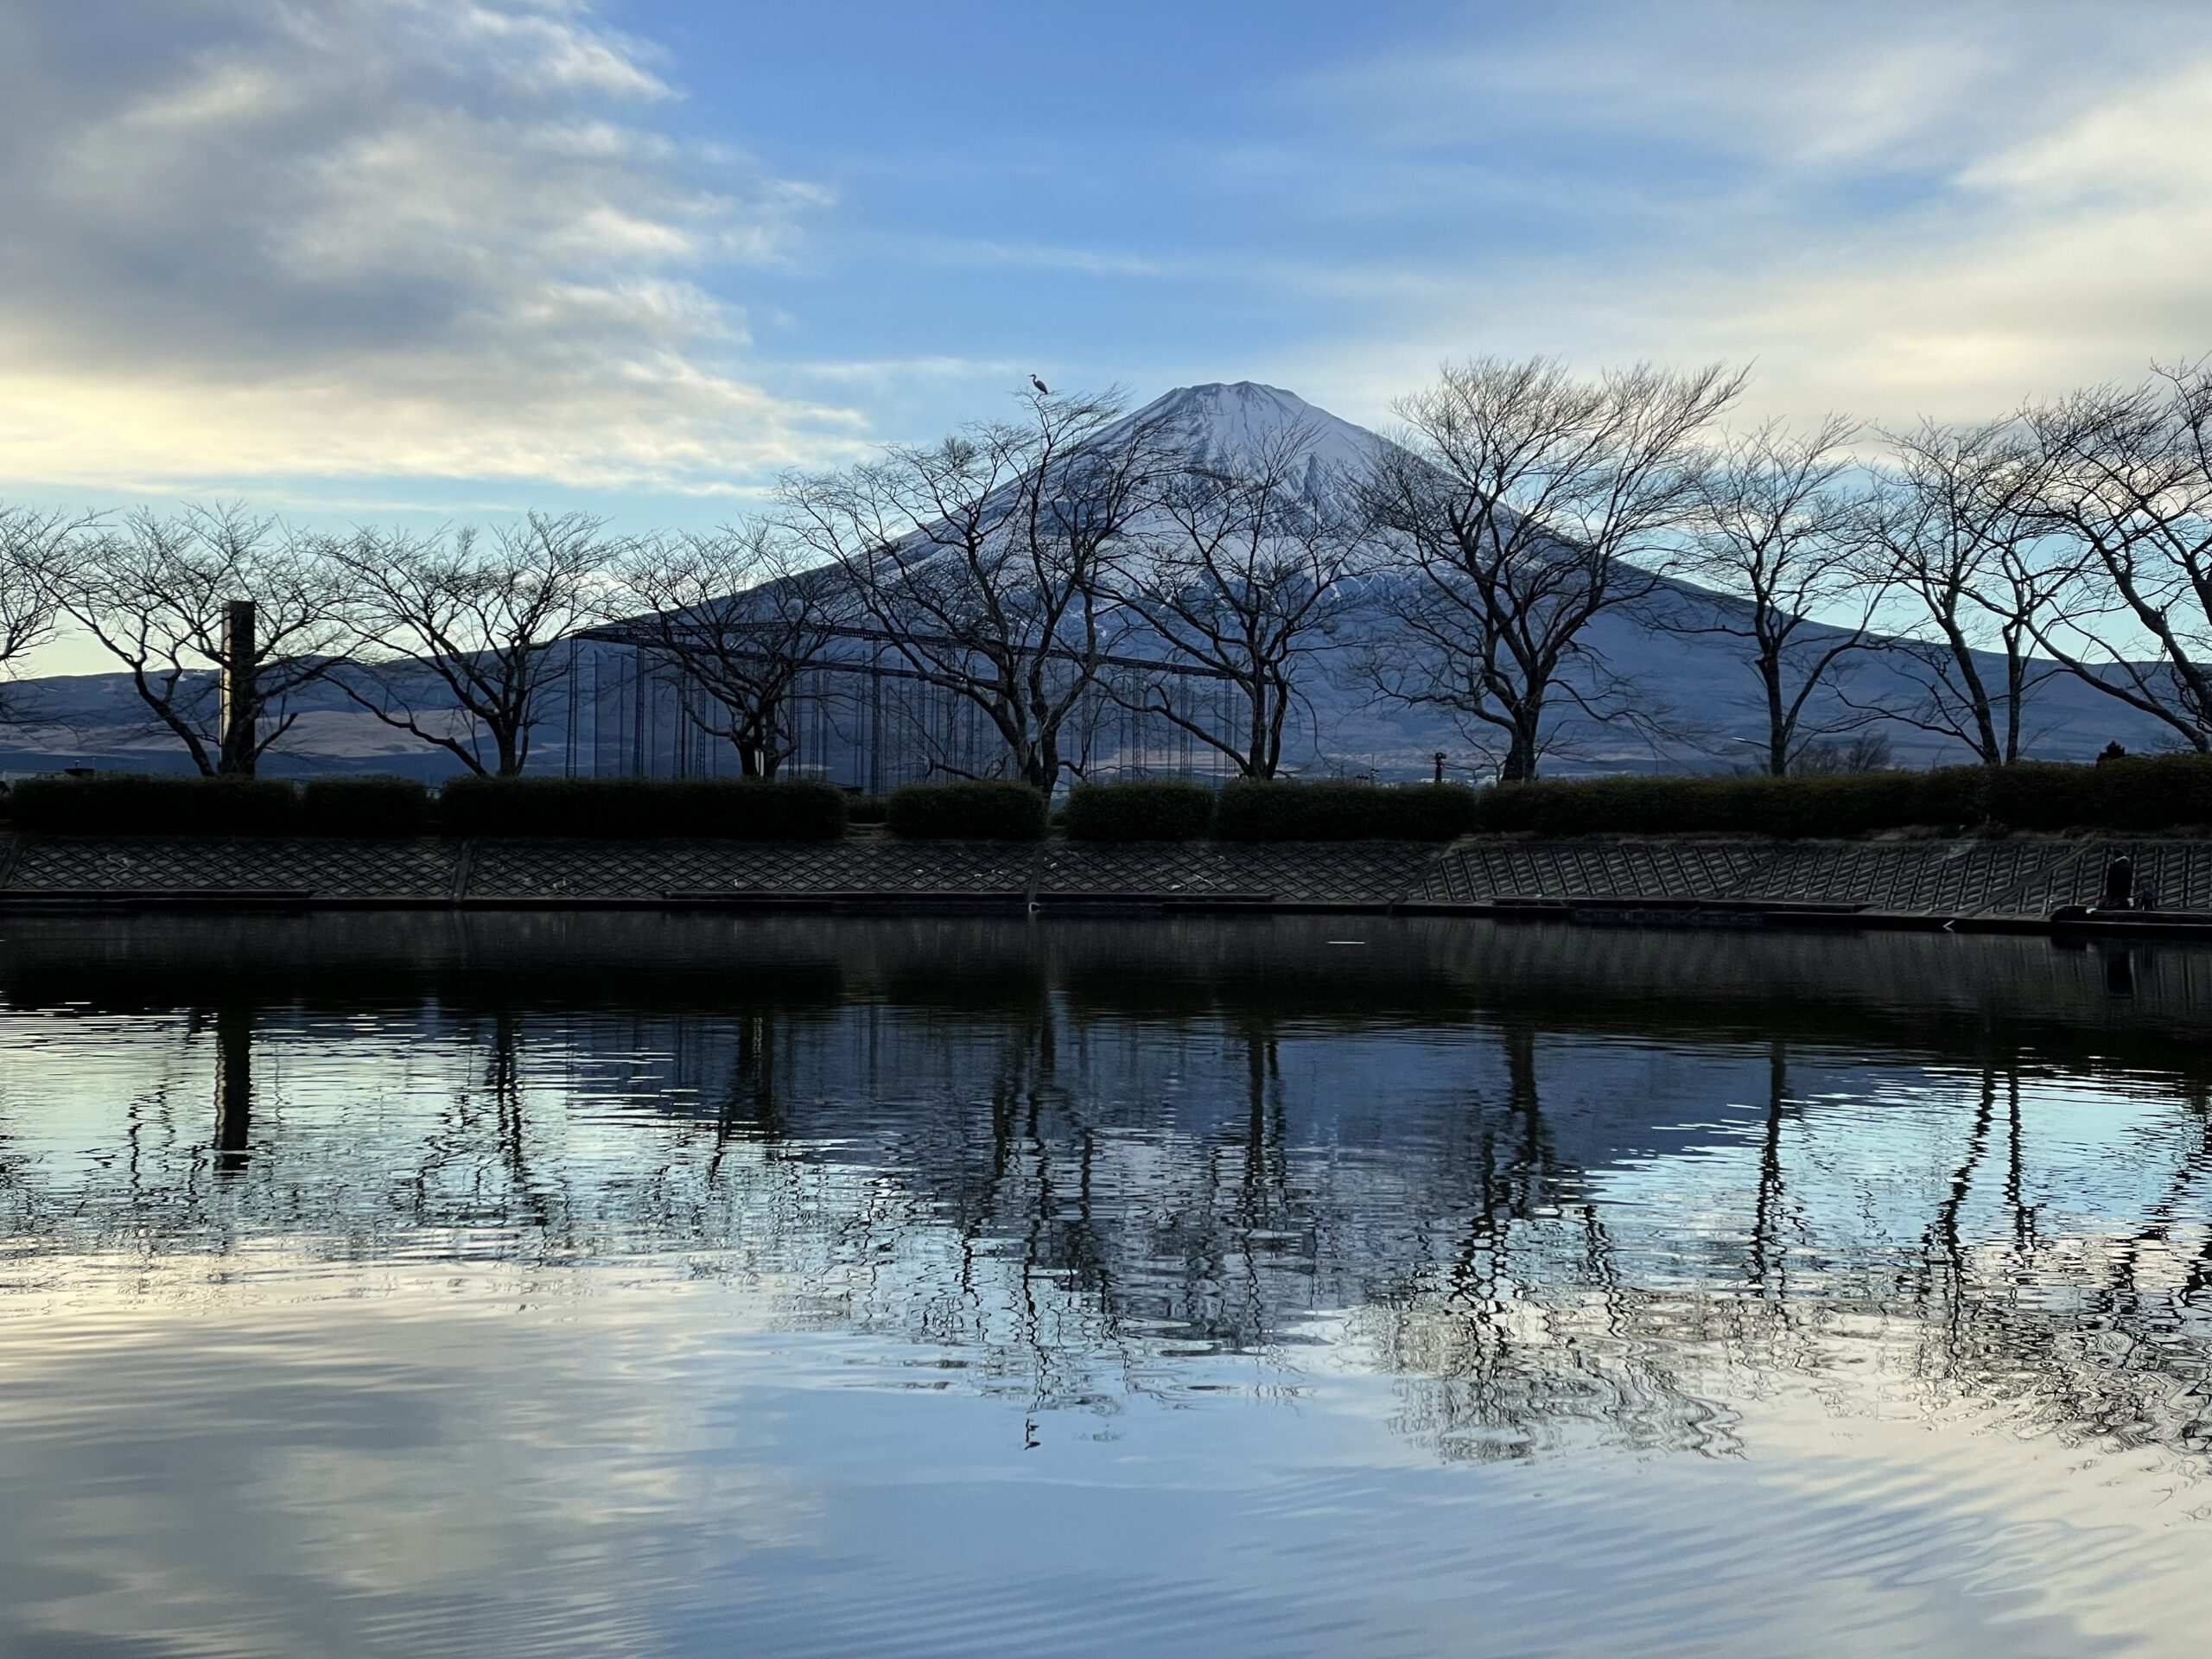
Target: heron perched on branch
(1041,385)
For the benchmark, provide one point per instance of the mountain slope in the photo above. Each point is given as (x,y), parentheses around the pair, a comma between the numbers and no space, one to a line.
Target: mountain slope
(1699,683)
(1227,423)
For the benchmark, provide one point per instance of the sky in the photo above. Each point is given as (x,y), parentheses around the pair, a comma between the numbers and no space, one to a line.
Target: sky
(453,258)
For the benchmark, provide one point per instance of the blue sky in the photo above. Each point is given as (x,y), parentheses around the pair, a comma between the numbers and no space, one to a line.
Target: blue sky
(426,258)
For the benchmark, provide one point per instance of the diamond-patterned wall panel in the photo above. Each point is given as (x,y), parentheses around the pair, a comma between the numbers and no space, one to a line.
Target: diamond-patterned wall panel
(559,870)
(1341,872)
(328,870)
(1175,870)
(1829,874)
(1461,877)
(1947,877)
(1943,878)
(2006,878)
(2172,874)
(1353,873)
(1983,875)
(1595,869)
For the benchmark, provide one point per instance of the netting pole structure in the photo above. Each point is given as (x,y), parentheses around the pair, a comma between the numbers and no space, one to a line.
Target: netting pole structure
(867,723)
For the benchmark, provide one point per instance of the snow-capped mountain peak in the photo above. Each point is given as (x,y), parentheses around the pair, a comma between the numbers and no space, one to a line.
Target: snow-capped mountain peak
(1222,422)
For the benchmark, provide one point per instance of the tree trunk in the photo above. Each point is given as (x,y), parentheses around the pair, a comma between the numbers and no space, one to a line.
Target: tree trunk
(2015,685)
(1521,753)
(1778,726)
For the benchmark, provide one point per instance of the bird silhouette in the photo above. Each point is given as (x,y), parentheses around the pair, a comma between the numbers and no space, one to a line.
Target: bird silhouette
(1041,385)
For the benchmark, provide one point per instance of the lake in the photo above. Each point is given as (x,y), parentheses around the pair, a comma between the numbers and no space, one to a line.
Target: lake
(632,1284)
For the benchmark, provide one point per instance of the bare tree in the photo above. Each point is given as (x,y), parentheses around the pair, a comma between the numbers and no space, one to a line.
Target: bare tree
(1520,505)
(1863,752)
(1779,534)
(984,559)
(1241,569)
(2125,491)
(155,591)
(741,617)
(34,546)
(1949,531)
(458,635)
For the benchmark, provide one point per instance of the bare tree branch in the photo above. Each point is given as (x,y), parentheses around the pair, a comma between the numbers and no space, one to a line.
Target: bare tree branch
(1778,535)
(1520,505)
(1241,568)
(456,633)
(2125,489)
(153,594)
(986,559)
(1949,532)
(741,616)
(34,547)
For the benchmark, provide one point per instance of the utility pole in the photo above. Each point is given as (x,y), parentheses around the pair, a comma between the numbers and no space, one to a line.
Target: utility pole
(238,688)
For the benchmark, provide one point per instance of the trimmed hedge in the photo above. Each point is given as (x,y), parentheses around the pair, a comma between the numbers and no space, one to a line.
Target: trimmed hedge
(1253,809)
(633,809)
(967,812)
(1856,805)
(1164,811)
(2133,794)
(2136,793)
(367,809)
(124,804)
(2148,791)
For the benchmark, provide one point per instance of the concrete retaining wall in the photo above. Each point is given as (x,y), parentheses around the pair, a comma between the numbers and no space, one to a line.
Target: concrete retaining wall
(2008,882)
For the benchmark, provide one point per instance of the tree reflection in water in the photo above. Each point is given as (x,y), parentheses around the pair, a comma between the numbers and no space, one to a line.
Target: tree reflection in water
(1564,1186)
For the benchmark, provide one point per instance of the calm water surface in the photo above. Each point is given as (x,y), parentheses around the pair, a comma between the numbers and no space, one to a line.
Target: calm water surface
(636,1286)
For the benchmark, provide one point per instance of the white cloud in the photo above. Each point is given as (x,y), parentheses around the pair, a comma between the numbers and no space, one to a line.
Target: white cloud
(886,370)
(1940,217)
(365,238)
(983,253)
(1890,82)
(2145,145)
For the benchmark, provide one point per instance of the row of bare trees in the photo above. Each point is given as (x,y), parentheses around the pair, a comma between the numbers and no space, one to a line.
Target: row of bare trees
(33,544)
(1015,562)
(1494,563)
(454,637)
(2071,537)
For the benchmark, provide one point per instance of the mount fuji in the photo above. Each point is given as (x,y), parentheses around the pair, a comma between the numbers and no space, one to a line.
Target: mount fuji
(1701,680)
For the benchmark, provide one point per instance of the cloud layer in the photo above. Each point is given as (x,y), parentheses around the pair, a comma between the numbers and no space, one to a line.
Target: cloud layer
(1936,211)
(464,254)
(331,238)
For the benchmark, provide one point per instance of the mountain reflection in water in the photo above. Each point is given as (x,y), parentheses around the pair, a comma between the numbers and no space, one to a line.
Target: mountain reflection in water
(640,1284)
